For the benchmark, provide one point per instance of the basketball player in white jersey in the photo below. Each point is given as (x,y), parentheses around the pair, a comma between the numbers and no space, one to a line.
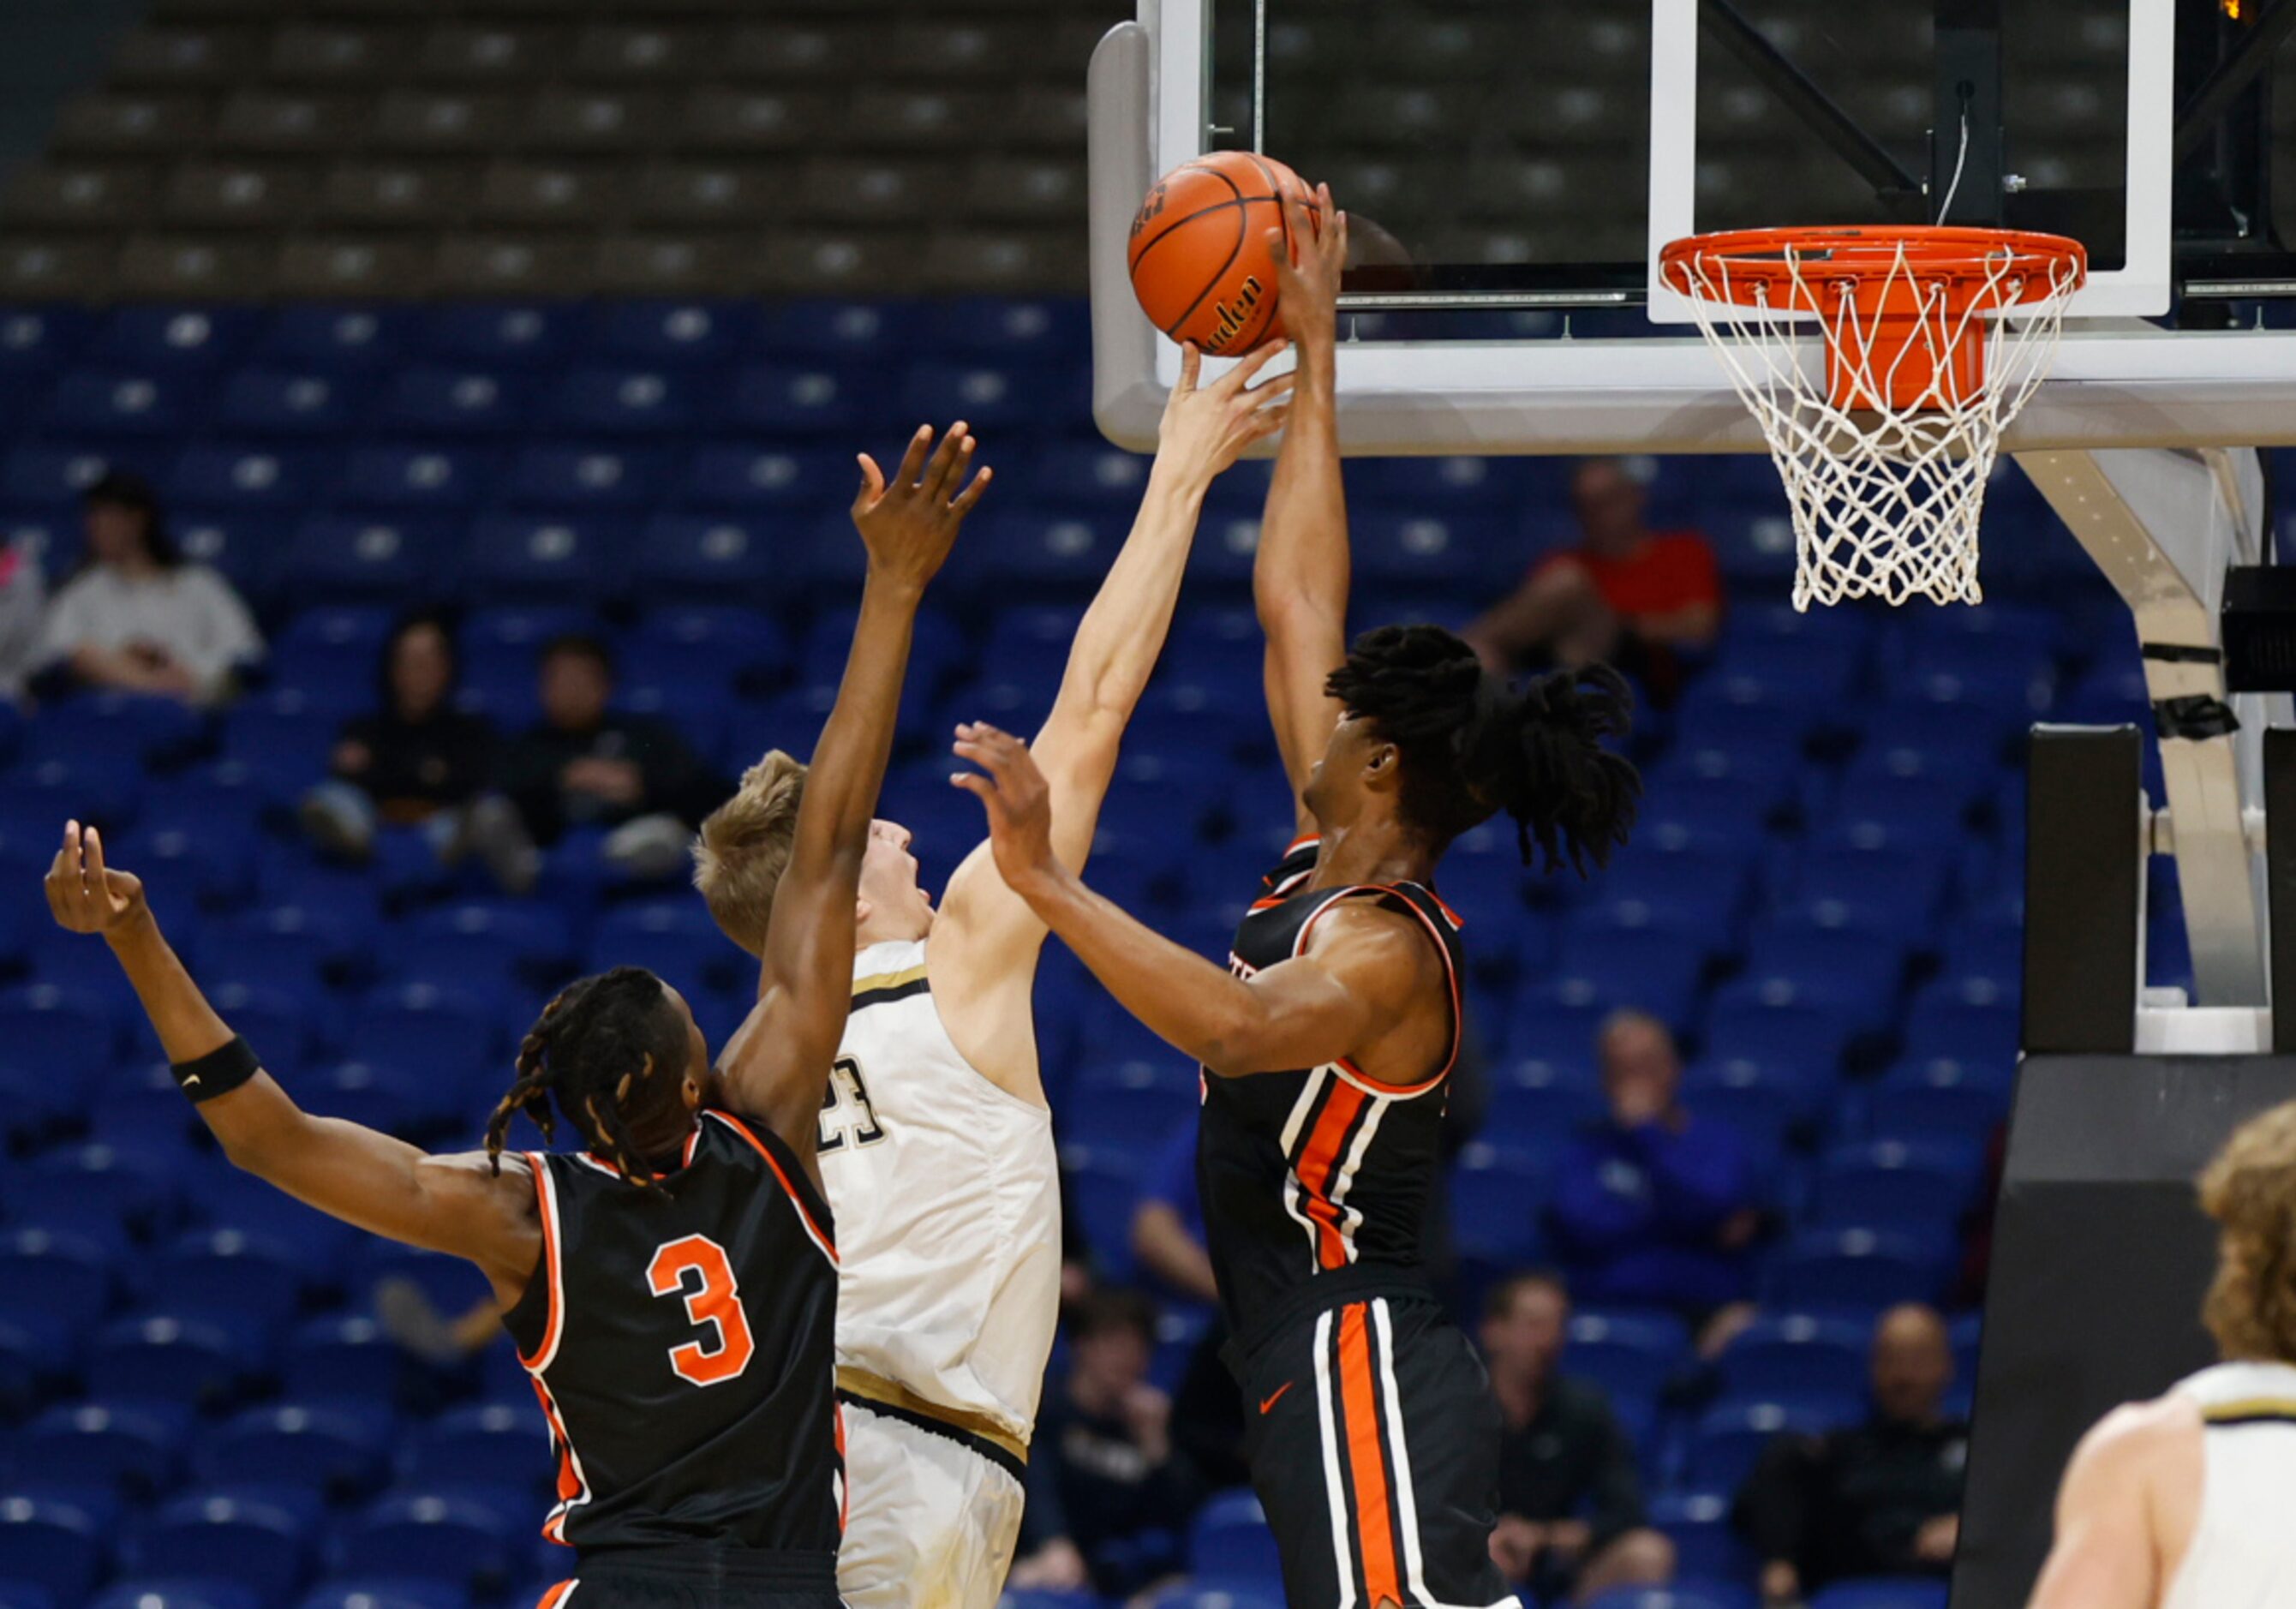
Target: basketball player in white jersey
(935,1143)
(2184,1502)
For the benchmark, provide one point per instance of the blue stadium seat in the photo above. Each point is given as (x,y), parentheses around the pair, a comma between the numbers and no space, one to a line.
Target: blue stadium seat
(988,397)
(1852,1270)
(1627,1360)
(674,939)
(175,337)
(224,1198)
(25,1365)
(466,1539)
(521,335)
(738,478)
(393,1592)
(396,1099)
(622,401)
(1229,1542)
(285,731)
(146,1593)
(1682,1594)
(53,1284)
(451,1285)
(796,402)
(1967,1019)
(355,558)
(1497,1196)
(421,1024)
(131,1448)
(1117,1099)
(1034,331)
(1913,1594)
(1771,1025)
(495,1444)
(228,1274)
(583,476)
(1046,551)
(52,1544)
(1656,972)
(43,793)
(450,403)
(1535,1100)
(1730,1436)
(1781,1354)
(685,334)
(134,1185)
(854,333)
(1939,1099)
(67,1033)
(1764,1097)
(250,1537)
(287,947)
(191,1361)
(1181,1595)
(1105,1185)
(1088,475)
(346,1358)
(34,338)
(1706,1545)
(538,559)
(415,480)
(1045,1598)
(341,338)
(1923,1186)
(694,560)
(49,473)
(287,402)
(105,403)
(238,476)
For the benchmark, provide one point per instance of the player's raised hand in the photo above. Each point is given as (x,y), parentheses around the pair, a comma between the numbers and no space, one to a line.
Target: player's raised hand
(1308,275)
(1206,428)
(910,524)
(1020,804)
(85,896)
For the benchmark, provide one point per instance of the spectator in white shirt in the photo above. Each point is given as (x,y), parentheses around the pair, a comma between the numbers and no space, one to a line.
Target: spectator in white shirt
(135,617)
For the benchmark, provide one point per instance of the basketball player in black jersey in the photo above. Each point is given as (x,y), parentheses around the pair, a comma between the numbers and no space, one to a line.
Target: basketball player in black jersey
(1326,1044)
(672,1287)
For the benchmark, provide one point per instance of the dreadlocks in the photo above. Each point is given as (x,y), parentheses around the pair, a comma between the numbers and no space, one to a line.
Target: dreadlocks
(1473,746)
(597,1042)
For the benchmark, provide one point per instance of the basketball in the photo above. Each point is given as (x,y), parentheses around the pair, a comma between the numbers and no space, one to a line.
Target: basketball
(1200,257)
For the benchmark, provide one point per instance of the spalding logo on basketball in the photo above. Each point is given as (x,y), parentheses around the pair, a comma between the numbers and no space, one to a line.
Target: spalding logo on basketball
(1202,263)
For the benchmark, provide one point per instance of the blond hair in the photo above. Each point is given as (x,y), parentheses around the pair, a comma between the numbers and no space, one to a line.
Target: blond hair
(744,848)
(2250,1191)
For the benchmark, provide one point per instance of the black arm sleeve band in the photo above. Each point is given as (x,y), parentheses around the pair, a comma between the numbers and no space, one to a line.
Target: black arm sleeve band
(218,1072)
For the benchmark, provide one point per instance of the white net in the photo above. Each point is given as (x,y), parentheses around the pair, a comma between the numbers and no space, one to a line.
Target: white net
(1885,454)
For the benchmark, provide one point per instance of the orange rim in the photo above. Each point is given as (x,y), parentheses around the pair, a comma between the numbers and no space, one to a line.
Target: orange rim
(1964,261)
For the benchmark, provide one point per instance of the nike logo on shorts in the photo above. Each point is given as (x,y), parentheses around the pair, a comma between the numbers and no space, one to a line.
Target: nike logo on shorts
(1274,1397)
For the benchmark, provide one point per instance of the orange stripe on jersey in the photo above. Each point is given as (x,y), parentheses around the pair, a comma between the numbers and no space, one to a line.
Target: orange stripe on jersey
(556,1595)
(820,1236)
(1366,1461)
(1450,976)
(1319,1161)
(546,1210)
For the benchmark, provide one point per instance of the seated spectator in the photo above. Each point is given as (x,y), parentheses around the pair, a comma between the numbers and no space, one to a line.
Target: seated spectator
(630,776)
(1648,602)
(23,594)
(1880,1500)
(135,617)
(1654,1207)
(417,762)
(1109,1500)
(1571,1502)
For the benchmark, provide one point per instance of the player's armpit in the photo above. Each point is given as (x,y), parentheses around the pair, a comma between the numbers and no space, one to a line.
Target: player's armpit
(1349,995)
(2107,1554)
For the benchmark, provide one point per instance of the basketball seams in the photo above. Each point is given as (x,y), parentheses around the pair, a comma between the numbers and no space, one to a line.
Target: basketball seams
(1232,170)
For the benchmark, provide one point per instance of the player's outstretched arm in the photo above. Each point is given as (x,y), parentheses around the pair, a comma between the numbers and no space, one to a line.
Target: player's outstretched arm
(453,1203)
(2107,1550)
(1364,967)
(777,1065)
(983,967)
(1300,576)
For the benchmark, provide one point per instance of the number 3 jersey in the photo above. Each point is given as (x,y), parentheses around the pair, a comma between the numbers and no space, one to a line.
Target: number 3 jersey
(679,1334)
(948,1209)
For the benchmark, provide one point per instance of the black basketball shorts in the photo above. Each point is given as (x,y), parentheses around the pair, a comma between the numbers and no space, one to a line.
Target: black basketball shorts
(1375,1449)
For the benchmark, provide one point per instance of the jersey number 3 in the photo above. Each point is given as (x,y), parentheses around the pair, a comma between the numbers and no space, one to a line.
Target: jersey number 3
(847,1118)
(696,1268)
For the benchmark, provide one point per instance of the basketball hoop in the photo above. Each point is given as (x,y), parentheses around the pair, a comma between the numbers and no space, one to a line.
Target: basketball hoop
(1935,337)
